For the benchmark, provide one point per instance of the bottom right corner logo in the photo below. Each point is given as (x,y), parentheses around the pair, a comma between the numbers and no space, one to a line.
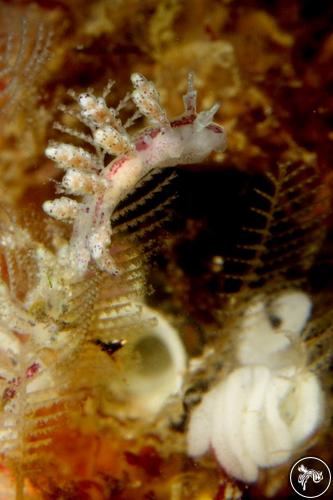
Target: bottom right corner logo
(310,477)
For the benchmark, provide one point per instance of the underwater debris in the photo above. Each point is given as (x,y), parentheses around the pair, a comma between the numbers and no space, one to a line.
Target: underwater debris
(110,347)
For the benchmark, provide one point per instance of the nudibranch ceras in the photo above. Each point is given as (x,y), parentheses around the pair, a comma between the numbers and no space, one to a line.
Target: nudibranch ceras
(259,414)
(187,139)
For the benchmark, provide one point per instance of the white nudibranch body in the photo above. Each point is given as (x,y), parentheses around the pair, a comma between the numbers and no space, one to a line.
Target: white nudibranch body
(259,414)
(167,143)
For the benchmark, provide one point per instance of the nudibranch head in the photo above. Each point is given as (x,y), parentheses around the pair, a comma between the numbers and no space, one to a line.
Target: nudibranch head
(207,139)
(199,135)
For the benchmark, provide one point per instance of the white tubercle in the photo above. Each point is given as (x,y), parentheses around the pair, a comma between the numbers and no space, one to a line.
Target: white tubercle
(160,368)
(259,414)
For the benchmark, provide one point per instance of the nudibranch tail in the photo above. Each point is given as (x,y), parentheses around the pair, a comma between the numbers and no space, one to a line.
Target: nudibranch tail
(101,185)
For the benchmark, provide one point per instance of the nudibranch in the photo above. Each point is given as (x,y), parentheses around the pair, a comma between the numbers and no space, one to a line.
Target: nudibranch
(187,139)
(270,403)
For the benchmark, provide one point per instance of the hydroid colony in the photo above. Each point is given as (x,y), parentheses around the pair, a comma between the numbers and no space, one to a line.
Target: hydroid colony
(68,309)
(85,360)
